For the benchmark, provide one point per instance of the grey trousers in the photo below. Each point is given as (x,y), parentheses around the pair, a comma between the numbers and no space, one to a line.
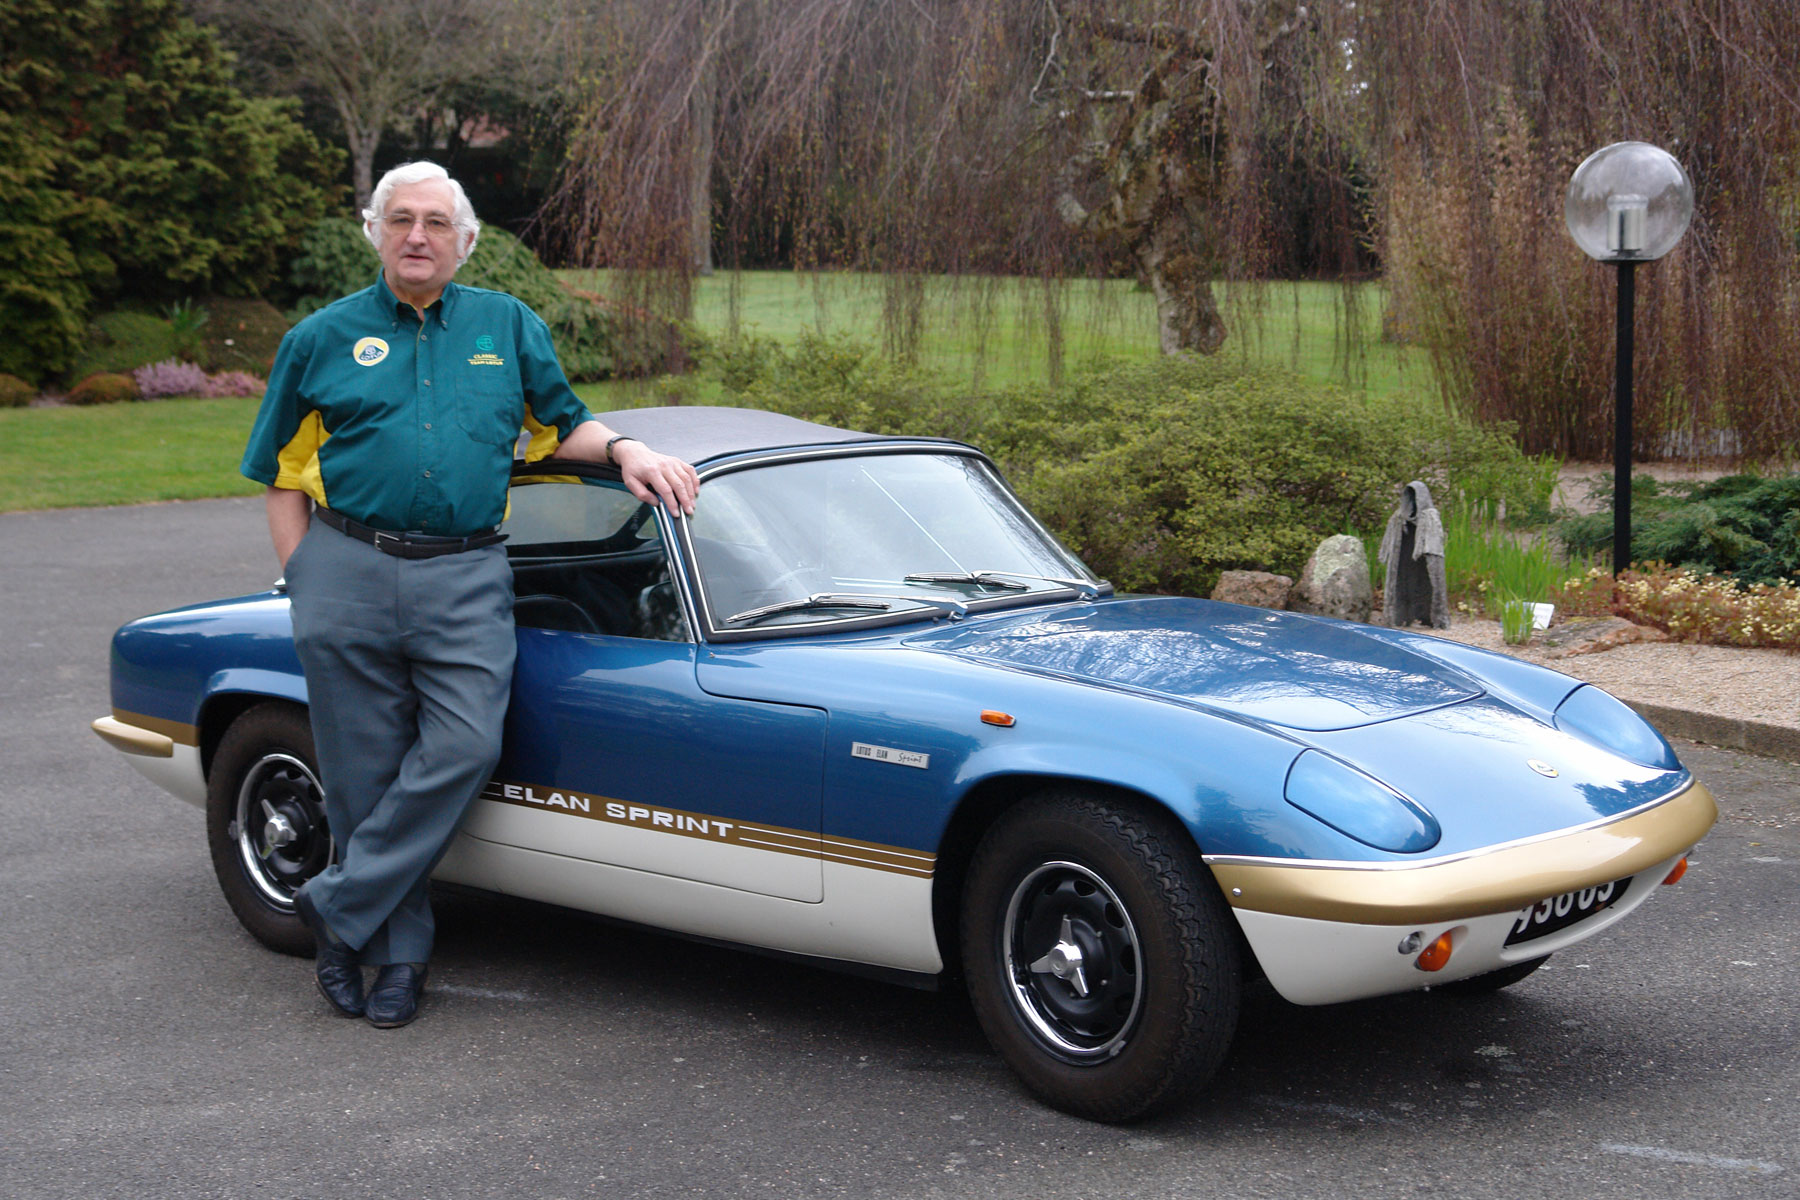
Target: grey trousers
(408,668)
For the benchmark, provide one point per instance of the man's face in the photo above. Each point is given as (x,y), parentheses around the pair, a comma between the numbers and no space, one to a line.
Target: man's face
(419,262)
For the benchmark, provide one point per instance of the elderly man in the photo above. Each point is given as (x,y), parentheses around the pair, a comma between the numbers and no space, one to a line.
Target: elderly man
(386,439)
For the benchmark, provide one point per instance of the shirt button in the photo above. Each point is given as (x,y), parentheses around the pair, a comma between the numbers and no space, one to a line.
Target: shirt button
(428,474)
(428,424)
(428,383)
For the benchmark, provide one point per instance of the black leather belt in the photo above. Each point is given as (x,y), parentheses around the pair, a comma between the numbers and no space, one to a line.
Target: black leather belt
(407,545)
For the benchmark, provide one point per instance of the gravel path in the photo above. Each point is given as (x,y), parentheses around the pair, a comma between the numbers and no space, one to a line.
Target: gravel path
(1726,682)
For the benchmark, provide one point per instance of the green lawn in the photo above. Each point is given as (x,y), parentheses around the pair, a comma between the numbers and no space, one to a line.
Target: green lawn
(123,453)
(1002,338)
(189,449)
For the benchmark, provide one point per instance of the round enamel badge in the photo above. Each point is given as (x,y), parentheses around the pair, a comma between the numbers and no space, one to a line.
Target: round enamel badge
(369,351)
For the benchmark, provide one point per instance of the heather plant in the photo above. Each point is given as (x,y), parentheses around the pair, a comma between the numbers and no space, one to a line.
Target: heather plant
(170,378)
(104,388)
(15,392)
(232,383)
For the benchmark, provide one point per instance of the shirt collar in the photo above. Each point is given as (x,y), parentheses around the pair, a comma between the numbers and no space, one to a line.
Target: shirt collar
(399,310)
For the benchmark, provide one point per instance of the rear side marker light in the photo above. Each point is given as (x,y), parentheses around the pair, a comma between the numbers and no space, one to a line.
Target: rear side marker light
(1436,956)
(1675,875)
(990,716)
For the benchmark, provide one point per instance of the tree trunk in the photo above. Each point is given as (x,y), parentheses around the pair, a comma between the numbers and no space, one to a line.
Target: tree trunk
(1187,315)
(701,103)
(364,140)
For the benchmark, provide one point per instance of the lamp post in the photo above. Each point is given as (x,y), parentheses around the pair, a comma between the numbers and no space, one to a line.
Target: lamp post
(1628,203)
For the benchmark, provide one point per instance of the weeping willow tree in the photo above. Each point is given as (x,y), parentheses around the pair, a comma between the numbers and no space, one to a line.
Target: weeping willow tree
(976,139)
(1185,142)
(1482,110)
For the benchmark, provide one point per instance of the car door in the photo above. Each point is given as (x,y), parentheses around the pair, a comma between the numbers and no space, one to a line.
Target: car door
(613,753)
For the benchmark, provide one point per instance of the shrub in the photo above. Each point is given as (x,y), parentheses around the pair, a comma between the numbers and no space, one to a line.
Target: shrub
(15,392)
(104,388)
(121,342)
(1161,476)
(1744,526)
(232,383)
(334,260)
(169,378)
(186,320)
(242,335)
(1711,608)
(594,339)
(133,165)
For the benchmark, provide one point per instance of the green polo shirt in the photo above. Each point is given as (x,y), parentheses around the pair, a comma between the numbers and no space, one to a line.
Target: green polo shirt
(405,424)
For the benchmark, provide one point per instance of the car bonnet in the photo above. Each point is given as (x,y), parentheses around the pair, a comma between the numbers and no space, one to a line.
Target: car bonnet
(1282,669)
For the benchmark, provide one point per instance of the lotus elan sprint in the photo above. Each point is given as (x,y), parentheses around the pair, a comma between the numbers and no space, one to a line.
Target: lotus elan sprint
(864,710)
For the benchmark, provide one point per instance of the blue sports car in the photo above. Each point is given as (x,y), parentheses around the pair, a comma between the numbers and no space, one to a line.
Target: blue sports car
(862,709)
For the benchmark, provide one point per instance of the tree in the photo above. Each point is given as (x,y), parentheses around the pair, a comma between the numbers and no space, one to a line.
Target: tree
(1483,110)
(385,64)
(130,164)
(1044,138)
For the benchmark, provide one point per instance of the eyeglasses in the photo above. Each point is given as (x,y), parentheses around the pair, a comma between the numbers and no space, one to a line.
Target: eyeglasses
(400,225)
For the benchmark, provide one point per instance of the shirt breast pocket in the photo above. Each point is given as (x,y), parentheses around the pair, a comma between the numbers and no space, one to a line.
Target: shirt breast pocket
(489,406)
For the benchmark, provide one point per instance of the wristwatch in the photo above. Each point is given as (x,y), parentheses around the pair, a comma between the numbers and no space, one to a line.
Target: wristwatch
(614,440)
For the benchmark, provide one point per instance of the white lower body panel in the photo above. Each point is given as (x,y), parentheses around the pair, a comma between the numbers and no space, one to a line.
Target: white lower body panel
(873,917)
(179,773)
(1314,961)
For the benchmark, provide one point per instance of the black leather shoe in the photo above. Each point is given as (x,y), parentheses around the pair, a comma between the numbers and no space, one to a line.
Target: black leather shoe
(335,968)
(394,1000)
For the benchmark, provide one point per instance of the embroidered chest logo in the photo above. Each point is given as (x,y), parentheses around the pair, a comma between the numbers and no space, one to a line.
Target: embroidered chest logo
(369,351)
(485,356)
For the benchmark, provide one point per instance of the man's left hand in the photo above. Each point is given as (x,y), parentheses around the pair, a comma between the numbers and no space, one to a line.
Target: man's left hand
(657,478)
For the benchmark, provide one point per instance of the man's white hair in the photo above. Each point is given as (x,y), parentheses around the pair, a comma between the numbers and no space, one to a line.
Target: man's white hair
(463,213)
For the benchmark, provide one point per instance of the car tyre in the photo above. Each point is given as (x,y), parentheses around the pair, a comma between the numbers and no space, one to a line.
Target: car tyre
(1100,957)
(1493,981)
(265,822)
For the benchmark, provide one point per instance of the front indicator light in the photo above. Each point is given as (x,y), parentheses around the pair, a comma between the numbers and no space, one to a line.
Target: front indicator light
(1436,956)
(993,716)
(1675,875)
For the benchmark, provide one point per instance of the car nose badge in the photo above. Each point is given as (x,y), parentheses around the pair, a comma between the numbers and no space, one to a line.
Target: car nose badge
(1541,767)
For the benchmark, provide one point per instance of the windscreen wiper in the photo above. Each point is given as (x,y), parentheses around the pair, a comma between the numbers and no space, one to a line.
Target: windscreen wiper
(1004,579)
(844,600)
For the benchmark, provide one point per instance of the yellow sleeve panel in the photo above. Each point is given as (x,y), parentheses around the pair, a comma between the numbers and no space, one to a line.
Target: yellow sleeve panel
(544,438)
(299,459)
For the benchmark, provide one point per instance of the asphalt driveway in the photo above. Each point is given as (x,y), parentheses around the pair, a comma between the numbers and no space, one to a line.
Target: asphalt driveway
(149,1048)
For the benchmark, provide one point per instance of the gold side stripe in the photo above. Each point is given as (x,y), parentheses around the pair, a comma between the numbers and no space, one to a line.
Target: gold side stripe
(707,827)
(1503,880)
(179,732)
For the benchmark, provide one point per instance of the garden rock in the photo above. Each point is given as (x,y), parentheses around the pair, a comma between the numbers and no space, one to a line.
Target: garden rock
(1590,635)
(1335,581)
(1412,549)
(1257,588)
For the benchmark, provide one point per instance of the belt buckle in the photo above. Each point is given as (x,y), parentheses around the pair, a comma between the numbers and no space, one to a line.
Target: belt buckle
(395,538)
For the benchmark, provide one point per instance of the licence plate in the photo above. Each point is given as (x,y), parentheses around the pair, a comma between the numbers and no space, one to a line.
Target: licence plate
(1559,912)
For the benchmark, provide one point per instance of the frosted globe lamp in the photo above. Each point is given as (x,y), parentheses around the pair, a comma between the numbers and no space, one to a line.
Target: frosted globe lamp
(1630,202)
(1627,204)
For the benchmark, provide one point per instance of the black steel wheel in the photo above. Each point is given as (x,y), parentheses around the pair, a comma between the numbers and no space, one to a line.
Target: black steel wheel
(1099,954)
(265,822)
(1493,981)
